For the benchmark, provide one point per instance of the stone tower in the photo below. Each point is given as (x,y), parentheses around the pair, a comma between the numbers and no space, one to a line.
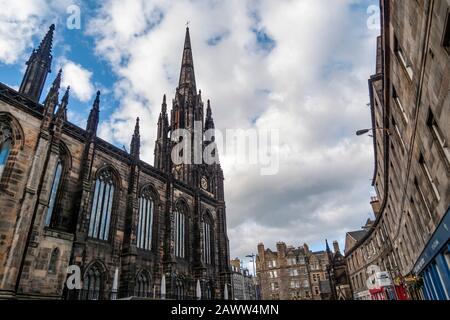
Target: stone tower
(187,121)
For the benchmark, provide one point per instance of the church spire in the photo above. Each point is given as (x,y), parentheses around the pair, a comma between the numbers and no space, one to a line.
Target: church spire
(94,115)
(135,141)
(38,66)
(187,76)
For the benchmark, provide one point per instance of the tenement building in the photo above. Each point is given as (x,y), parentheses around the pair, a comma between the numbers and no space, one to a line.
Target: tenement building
(243,284)
(127,228)
(291,273)
(404,252)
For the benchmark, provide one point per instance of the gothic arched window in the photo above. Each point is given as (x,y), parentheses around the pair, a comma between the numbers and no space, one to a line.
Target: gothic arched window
(142,288)
(207,292)
(180,232)
(54,193)
(52,266)
(179,290)
(145,220)
(92,283)
(206,226)
(102,206)
(5,145)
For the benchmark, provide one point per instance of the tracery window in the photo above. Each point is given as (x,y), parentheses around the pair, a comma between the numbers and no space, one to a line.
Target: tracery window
(180,235)
(145,220)
(142,288)
(92,284)
(102,206)
(207,292)
(206,241)
(179,290)
(54,193)
(5,145)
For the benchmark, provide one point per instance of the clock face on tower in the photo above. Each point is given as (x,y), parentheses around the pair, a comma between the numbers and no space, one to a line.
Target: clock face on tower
(204,183)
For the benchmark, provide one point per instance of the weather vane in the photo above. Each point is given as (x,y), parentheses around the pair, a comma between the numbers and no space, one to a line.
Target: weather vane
(187,24)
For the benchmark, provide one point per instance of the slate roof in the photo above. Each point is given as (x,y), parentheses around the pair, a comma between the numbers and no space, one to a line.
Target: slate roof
(357,235)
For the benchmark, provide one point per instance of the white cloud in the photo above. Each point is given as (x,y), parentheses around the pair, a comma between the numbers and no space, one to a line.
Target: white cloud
(79,79)
(76,118)
(312,86)
(18,23)
(23,21)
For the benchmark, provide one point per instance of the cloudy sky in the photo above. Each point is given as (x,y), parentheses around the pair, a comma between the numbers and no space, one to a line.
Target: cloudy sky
(297,66)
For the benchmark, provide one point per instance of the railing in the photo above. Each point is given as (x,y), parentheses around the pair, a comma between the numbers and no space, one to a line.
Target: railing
(114,295)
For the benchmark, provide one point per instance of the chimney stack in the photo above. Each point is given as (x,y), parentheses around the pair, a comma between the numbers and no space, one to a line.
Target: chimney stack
(281,249)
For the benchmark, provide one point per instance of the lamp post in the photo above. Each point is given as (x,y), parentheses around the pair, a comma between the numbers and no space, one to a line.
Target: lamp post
(364,131)
(253,257)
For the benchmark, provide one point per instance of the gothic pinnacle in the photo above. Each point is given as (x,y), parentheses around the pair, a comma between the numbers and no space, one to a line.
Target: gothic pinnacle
(97,101)
(93,119)
(208,108)
(57,82)
(209,122)
(38,66)
(54,89)
(136,127)
(65,98)
(64,102)
(164,105)
(136,141)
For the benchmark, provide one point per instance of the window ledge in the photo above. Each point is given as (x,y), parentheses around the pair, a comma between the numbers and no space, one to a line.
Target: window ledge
(59,234)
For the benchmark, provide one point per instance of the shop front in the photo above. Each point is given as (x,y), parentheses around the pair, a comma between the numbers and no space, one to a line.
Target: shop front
(433,265)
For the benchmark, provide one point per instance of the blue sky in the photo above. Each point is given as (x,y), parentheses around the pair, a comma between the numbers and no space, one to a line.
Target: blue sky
(298,66)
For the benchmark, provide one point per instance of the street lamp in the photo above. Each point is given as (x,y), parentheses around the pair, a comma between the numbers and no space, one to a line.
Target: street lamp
(253,257)
(364,131)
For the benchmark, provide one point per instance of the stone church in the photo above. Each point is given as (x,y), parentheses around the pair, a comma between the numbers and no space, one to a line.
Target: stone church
(69,198)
